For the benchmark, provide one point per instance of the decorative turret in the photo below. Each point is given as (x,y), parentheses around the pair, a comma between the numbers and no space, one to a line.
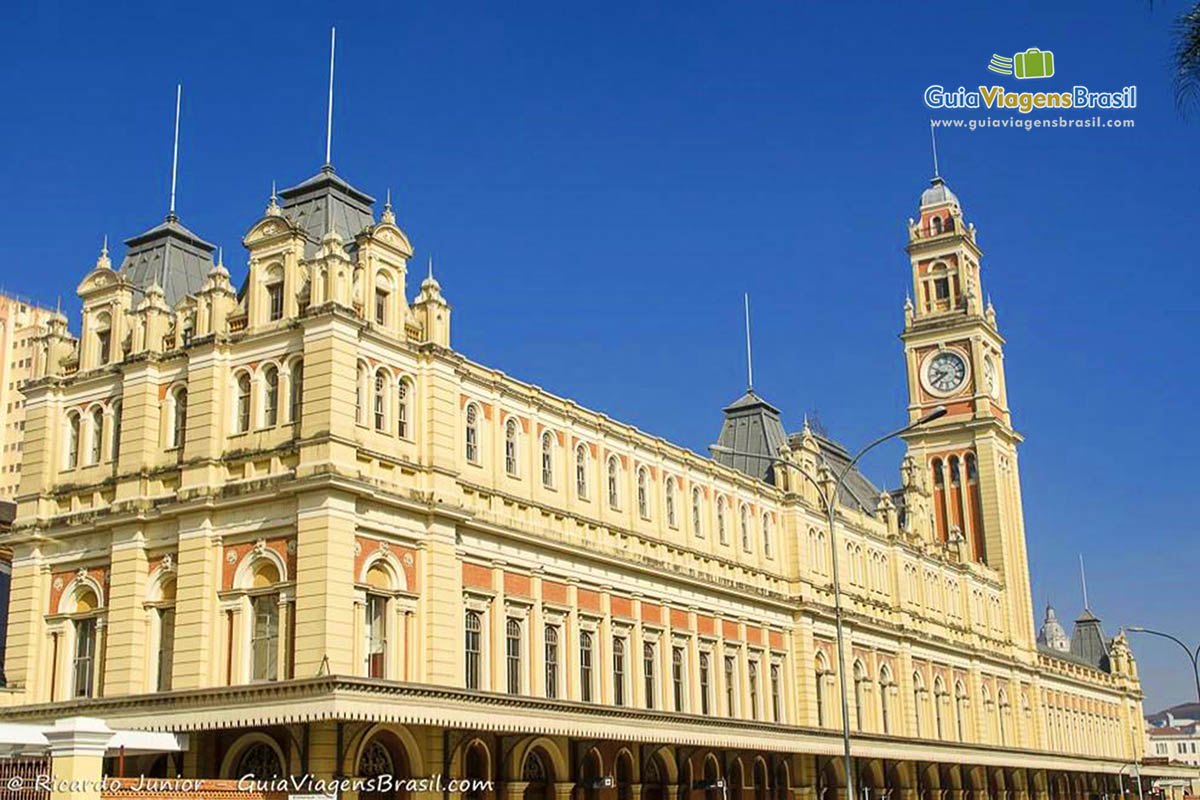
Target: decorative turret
(1052,634)
(432,311)
(752,425)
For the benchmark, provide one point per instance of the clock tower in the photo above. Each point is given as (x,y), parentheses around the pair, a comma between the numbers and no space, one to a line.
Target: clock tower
(954,356)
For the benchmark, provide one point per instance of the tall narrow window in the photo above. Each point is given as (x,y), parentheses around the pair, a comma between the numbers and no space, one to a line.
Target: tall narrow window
(510,446)
(180,428)
(642,501)
(471,435)
(613,497)
(860,677)
(697,522)
(619,672)
(402,408)
(776,695)
(71,456)
(730,686)
(581,472)
(960,711)
(512,655)
(117,408)
(648,672)
(103,346)
(705,683)
(551,661)
(360,389)
(270,396)
(819,691)
(264,638)
(97,441)
(722,536)
(85,656)
(745,518)
(677,676)
(548,459)
(939,692)
(275,301)
(752,679)
(381,303)
(296,401)
(885,699)
(917,687)
(243,403)
(585,666)
(380,401)
(473,627)
(670,499)
(376,627)
(166,647)
(766,525)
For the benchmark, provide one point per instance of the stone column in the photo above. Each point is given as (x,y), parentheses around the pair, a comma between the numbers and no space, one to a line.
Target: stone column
(127,661)
(77,746)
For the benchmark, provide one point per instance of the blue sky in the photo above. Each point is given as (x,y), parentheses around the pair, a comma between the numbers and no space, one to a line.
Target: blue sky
(599,183)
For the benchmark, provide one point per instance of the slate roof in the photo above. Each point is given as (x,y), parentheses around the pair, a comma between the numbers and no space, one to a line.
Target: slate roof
(857,491)
(326,200)
(751,425)
(171,255)
(1088,643)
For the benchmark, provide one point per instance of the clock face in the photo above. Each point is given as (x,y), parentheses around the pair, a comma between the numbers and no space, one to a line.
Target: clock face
(946,372)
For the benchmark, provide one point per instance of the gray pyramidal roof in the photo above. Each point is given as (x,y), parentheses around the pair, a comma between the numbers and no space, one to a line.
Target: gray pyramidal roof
(1088,643)
(171,256)
(751,425)
(327,201)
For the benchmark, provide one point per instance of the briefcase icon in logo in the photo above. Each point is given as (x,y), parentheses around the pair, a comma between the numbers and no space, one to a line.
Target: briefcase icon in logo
(1033,63)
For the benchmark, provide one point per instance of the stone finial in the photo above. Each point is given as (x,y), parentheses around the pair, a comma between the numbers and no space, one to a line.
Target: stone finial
(273,209)
(388,217)
(103,262)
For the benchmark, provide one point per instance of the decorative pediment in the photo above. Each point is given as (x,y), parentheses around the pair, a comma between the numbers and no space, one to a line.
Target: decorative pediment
(389,236)
(99,279)
(268,228)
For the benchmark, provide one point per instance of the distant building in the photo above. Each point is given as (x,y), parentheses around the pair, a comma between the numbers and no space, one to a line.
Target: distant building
(21,324)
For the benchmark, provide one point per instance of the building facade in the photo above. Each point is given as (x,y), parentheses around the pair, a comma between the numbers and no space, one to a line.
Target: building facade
(289,519)
(21,325)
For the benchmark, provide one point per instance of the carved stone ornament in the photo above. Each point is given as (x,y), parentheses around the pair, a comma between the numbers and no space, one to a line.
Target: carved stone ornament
(260,547)
(168,563)
(230,557)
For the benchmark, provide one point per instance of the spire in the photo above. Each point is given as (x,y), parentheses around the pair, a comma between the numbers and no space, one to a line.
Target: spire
(933,142)
(749,352)
(102,262)
(273,209)
(1083,583)
(387,216)
(329,114)
(175,150)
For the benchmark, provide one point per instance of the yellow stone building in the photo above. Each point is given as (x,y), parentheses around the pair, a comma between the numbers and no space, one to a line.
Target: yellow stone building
(288,519)
(21,323)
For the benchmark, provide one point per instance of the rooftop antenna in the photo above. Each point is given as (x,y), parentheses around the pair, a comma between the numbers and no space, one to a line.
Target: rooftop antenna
(749,356)
(1083,580)
(329,115)
(431,266)
(933,141)
(175,151)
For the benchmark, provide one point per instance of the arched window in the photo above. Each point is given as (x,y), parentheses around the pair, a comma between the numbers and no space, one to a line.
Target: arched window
(745,520)
(860,708)
(885,698)
(71,441)
(403,398)
(510,446)
(264,637)
(551,661)
(648,672)
(613,495)
(512,654)
(471,433)
(360,390)
(766,528)
(242,420)
(117,407)
(581,488)
(1002,712)
(918,690)
(270,396)
(935,224)
(548,460)
(697,521)
(97,436)
(585,666)
(677,684)
(960,710)
(819,670)
(939,693)
(705,683)
(383,293)
(670,500)
(296,401)
(179,423)
(474,629)
(642,494)
(274,288)
(722,535)
(103,339)
(619,672)
(380,400)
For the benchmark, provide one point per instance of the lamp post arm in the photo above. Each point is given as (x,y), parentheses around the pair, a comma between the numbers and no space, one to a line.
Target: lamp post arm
(1194,657)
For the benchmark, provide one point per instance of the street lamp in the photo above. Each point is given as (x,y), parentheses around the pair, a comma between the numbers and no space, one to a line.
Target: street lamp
(1193,655)
(1136,772)
(830,500)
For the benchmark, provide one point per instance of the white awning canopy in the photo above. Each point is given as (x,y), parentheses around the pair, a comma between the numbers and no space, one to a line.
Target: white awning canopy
(30,739)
